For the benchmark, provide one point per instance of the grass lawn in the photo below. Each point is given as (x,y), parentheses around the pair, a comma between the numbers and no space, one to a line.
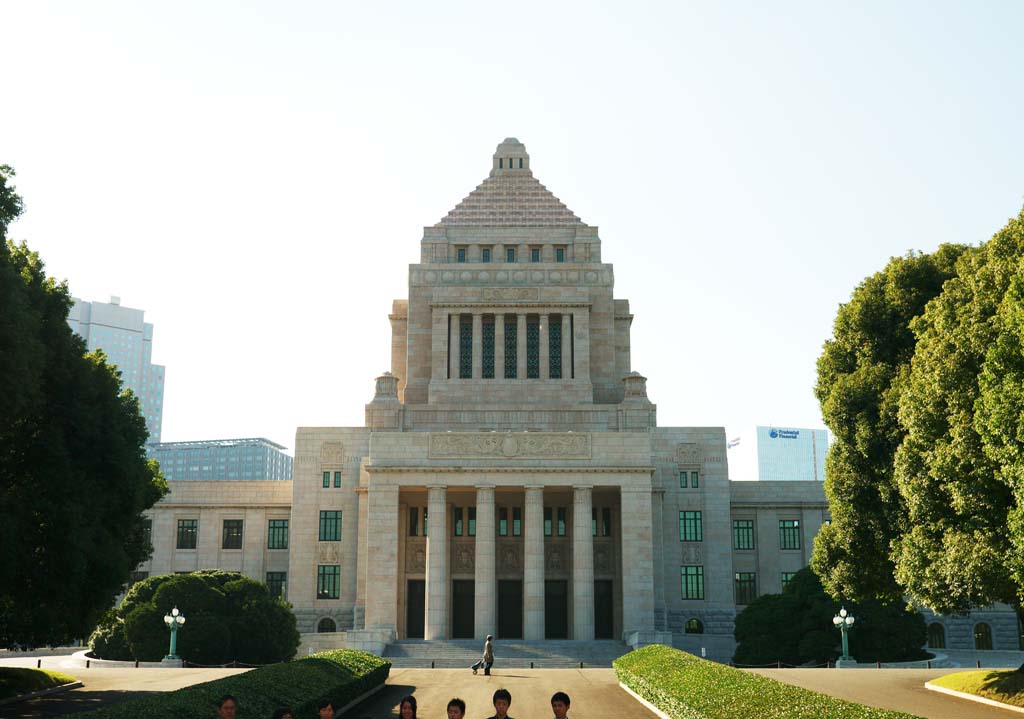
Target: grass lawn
(1006,685)
(15,681)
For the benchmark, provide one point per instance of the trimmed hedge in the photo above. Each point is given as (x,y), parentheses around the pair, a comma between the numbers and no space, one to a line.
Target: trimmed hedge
(687,687)
(341,675)
(15,681)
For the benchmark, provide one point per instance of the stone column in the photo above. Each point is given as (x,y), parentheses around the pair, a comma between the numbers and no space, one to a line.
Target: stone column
(533,564)
(566,346)
(437,564)
(359,614)
(453,346)
(484,585)
(543,348)
(478,345)
(521,346)
(382,546)
(637,560)
(582,563)
(499,345)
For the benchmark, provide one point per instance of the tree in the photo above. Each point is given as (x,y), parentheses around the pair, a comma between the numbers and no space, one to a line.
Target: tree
(795,627)
(74,478)
(229,617)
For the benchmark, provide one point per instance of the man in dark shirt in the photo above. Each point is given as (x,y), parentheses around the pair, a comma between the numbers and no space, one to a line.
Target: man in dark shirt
(502,701)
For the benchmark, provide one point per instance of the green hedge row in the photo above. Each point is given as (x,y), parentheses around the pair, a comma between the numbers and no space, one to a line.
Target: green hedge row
(15,681)
(341,675)
(687,687)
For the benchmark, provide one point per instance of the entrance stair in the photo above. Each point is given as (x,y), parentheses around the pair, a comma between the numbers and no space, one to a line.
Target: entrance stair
(547,654)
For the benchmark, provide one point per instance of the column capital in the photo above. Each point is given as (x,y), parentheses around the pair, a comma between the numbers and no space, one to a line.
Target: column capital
(582,487)
(484,487)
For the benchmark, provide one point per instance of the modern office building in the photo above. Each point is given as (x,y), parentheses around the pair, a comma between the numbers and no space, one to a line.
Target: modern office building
(788,454)
(127,340)
(251,458)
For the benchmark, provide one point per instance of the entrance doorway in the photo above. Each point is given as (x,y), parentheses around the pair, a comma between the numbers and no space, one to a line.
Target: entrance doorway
(604,613)
(414,607)
(463,602)
(556,609)
(510,609)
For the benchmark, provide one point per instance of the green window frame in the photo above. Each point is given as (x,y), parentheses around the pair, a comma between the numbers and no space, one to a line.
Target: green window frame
(562,524)
(460,255)
(471,521)
(330,525)
(232,537)
(743,534)
(555,346)
(692,581)
(327,480)
(593,521)
(277,584)
(517,521)
(787,577)
(548,527)
(188,529)
(503,521)
(690,527)
(328,581)
(337,480)
(789,534)
(465,346)
(689,479)
(485,254)
(277,534)
(510,254)
(457,521)
(487,347)
(534,254)
(559,254)
(511,346)
(746,587)
(532,347)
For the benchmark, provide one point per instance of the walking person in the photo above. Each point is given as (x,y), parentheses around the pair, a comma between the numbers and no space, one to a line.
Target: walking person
(488,658)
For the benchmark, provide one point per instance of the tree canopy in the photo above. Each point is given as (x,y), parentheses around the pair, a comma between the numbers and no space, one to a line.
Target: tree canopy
(74,478)
(925,479)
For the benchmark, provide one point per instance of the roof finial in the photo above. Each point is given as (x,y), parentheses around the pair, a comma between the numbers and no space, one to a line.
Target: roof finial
(511,157)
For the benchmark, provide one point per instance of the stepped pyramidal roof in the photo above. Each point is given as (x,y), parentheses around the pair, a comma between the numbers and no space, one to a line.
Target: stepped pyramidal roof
(510,197)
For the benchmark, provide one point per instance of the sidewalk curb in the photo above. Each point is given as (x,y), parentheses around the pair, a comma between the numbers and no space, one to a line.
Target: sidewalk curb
(646,703)
(972,697)
(42,693)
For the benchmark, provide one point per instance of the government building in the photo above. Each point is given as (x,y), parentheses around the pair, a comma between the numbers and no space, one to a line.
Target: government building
(511,477)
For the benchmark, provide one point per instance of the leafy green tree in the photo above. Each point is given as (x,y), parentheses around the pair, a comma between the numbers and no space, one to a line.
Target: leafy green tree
(74,479)
(228,617)
(860,375)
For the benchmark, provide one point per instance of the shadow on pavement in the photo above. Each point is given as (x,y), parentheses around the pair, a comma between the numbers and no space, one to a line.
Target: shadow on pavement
(382,704)
(72,702)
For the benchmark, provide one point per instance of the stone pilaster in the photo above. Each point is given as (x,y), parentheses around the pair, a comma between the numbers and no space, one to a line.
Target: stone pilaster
(437,564)
(478,356)
(566,346)
(543,348)
(582,564)
(533,564)
(521,346)
(453,346)
(438,345)
(658,517)
(359,612)
(485,585)
(382,546)
(499,346)
(637,560)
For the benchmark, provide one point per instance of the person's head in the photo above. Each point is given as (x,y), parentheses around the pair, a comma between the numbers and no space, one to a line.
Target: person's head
(227,705)
(490,637)
(456,709)
(502,700)
(560,704)
(284,713)
(326,708)
(407,707)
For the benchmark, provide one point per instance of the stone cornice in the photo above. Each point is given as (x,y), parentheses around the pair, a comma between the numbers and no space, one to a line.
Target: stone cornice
(433,469)
(506,304)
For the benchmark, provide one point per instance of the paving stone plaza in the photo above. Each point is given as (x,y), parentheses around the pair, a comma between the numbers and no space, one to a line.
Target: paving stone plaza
(511,477)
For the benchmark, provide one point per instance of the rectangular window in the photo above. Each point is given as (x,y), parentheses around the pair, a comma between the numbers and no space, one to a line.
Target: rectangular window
(692,581)
(414,521)
(337,479)
(743,534)
(457,520)
(789,534)
(555,346)
(547,521)
(532,347)
(746,587)
(690,527)
(694,480)
(327,480)
(510,254)
(187,531)
(606,522)
(559,254)
(472,521)
(534,254)
(487,345)
(277,583)
(485,254)
(511,345)
(330,525)
(277,534)
(562,523)
(683,479)
(232,534)
(593,521)
(503,522)
(786,578)
(328,581)
(465,346)
(517,521)
(424,521)
(147,531)
(461,254)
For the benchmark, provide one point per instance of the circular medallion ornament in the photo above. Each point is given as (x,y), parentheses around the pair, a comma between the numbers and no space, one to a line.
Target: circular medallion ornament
(484,276)
(501,276)
(447,276)
(509,446)
(519,276)
(466,276)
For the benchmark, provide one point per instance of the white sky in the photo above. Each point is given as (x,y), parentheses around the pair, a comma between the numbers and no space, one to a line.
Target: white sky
(256,176)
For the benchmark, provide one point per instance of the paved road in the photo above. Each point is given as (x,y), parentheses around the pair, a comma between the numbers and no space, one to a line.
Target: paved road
(109,686)
(898,689)
(595,693)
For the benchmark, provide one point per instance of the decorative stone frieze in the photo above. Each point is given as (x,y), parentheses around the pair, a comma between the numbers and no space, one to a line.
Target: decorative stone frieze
(691,553)
(332,453)
(689,453)
(465,560)
(416,557)
(329,553)
(554,558)
(506,294)
(510,445)
(510,558)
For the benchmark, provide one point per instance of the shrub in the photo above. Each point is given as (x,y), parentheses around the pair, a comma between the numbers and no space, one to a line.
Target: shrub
(15,681)
(341,675)
(687,687)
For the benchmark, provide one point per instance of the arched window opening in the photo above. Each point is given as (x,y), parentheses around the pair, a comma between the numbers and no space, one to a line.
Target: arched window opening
(936,636)
(982,636)
(326,625)
(694,626)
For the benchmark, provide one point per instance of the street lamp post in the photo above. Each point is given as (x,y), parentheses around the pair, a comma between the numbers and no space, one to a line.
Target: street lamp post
(844,621)
(174,620)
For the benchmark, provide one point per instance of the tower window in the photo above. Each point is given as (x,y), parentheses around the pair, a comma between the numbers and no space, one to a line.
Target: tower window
(487,345)
(501,163)
(520,163)
(465,346)
(555,346)
(532,347)
(461,254)
(510,254)
(485,254)
(534,254)
(559,254)
(511,343)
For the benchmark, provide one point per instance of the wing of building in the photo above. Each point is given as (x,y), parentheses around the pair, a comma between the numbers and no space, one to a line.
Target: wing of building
(511,477)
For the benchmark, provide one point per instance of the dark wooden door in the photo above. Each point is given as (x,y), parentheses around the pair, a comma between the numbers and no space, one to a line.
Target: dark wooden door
(510,609)
(414,606)
(556,609)
(604,611)
(462,608)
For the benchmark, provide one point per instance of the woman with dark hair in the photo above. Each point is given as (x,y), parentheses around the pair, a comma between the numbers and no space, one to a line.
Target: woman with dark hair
(407,707)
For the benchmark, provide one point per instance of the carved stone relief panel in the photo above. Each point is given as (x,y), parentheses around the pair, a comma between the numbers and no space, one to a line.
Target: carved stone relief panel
(332,453)
(691,553)
(510,558)
(329,553)
(464,557)
(603,559)
(689,453)
(554,558)
(504,294)
(416,557)
(510,445)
